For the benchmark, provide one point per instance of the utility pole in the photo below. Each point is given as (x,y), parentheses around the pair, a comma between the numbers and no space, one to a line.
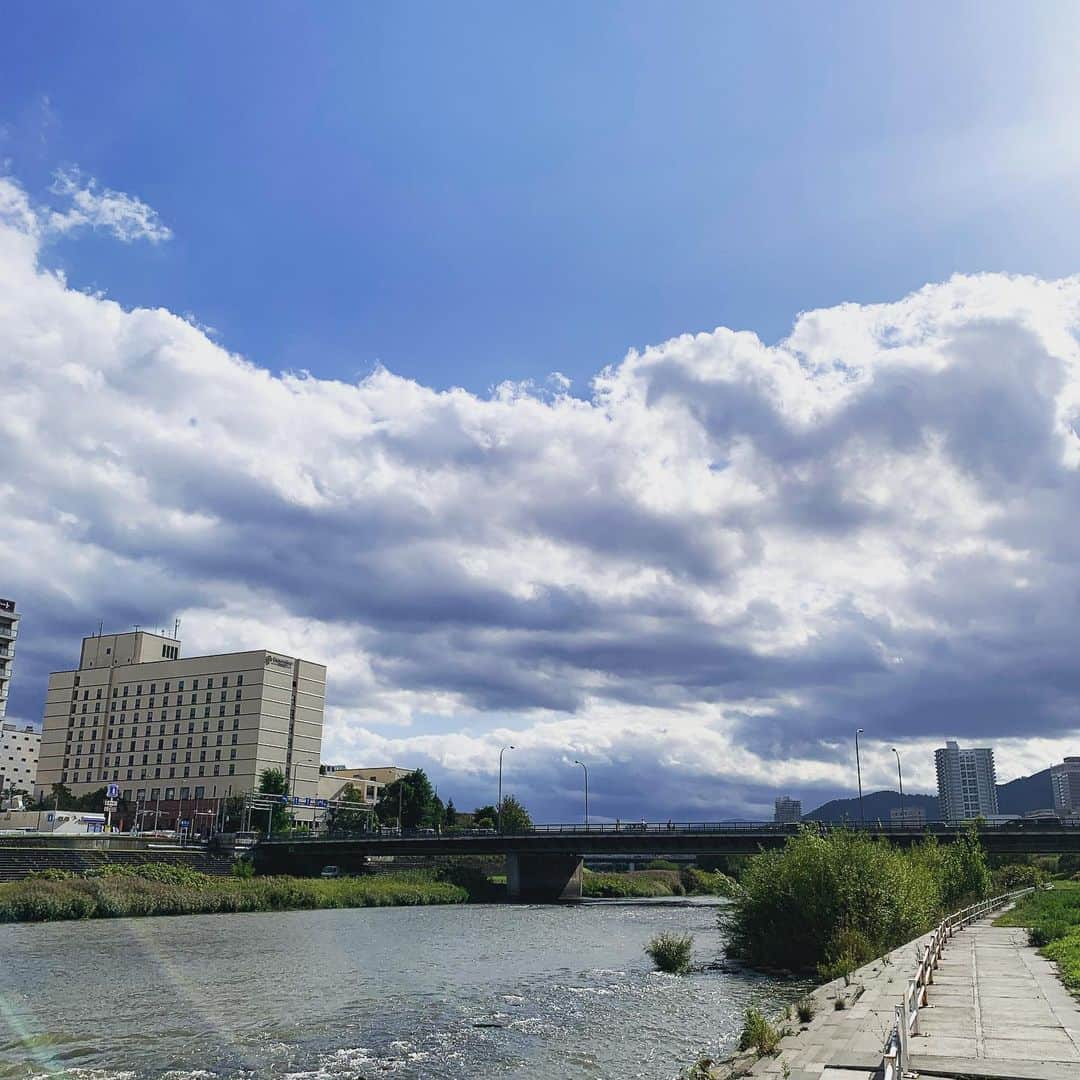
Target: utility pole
(498,811)
(586,768)
(900,777)
(858,769)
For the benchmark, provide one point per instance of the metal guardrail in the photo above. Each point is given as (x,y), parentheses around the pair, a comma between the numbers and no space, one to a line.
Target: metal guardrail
(896,1056)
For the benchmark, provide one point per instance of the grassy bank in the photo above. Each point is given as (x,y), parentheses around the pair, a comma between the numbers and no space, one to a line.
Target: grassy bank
(157,889)
(655,883)
(1053,920)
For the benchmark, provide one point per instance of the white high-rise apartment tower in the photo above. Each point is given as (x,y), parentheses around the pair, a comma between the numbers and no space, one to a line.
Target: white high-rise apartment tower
(167,730)
(967,782)
(1065,783)
(9,630)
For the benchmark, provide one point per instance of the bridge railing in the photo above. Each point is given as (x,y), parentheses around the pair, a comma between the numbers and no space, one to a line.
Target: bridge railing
(896,1056)
(693,828)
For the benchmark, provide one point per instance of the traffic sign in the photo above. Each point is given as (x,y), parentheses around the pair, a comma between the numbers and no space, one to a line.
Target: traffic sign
(110,804)
(112,791)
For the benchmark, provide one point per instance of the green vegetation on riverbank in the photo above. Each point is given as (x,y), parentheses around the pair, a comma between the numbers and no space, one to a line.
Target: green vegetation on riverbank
(835,902)
(1052,917)
(690,881)
(159,889)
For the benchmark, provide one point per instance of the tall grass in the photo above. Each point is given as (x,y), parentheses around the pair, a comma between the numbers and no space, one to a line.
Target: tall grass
(836,902)
(1053,920)
(157,889)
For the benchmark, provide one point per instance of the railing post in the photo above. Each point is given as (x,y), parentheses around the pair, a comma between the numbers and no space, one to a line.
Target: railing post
(901,1041)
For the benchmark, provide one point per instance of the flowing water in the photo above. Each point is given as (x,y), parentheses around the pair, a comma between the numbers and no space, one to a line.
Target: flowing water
(548,992)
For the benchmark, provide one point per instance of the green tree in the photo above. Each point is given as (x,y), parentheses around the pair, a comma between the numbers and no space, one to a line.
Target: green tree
(450,815)
(233,817)
(515,818)
(965,874)
(413,794)
(352,817)
(484,817)
(272,782)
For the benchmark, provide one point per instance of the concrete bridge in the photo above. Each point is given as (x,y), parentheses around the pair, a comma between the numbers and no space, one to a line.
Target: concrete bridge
(545,862)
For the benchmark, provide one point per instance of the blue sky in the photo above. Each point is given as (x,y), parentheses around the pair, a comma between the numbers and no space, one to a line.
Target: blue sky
(702,570)
(473,192)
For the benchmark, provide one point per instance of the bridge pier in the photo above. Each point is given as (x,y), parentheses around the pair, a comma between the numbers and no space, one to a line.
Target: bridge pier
(543,878)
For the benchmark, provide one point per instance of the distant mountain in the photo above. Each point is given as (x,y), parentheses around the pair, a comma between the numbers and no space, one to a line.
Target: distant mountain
(1018,796)
(1026,793)
(876,804)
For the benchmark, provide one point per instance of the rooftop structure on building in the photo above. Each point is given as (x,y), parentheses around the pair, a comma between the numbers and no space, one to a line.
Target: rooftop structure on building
(967,782)
(19,747)
(9,631)
(170,730)
(787,811)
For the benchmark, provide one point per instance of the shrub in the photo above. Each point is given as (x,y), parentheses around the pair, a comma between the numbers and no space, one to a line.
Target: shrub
(243,868)
(840,899)
(758,1034)
(662,864)
(671,952)
(1038,936)
(1019,876)
(699,882)
(805,1009)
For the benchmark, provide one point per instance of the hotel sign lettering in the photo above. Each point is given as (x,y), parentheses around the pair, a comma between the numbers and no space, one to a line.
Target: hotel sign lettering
(277,661)
(7,605)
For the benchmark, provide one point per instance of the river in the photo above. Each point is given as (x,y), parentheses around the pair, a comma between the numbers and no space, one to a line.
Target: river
(476,991)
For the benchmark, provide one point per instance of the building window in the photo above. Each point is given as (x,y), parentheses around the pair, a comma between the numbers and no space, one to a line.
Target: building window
(232,770)
(224,680)
(236,696)
(210,684)
(185,793)
(170,794)
(195,684)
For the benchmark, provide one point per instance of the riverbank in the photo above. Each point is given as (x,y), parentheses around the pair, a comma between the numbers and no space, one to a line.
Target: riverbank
(156,889)
(690,881)
(1052,919)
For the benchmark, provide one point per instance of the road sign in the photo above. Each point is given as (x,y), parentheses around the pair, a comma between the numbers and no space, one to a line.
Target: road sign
(112,791)
(110,804)
(185,824)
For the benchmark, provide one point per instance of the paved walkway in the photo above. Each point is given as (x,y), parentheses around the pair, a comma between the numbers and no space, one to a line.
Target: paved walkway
(997,1010)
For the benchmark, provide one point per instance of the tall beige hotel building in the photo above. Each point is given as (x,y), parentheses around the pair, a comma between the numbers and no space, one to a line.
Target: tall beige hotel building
(167,729)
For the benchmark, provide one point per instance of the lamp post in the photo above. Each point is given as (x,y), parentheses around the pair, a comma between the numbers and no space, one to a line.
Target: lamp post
(499,811)
(900,777)
(586,768)
(858,771)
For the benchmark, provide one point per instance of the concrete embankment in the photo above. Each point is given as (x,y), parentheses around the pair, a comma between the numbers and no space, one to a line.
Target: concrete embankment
(997,1011)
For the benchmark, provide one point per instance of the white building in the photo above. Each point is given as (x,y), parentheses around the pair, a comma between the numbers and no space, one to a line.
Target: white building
(173,732)
(9,630)
(787,811)
(18,759)
(1065,783)
(967,782)
(911,816)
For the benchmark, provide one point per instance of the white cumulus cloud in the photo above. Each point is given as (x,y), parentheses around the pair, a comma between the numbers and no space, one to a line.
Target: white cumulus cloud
(704,576)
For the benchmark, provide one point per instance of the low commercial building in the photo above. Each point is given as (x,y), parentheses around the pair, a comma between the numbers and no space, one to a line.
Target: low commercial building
(787,811)
(333,783)
(19,747)
(180,735)
(910,816)
(56,822)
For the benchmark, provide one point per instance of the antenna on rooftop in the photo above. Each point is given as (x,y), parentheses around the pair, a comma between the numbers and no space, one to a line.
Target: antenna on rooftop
(176,628)
(136,628)
(100,627)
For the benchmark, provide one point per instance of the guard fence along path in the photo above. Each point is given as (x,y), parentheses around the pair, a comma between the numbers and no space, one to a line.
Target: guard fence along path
(967,1000)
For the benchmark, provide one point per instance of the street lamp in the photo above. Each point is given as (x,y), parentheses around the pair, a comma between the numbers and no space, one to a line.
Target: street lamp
(499,812)
(900,777)
(858,770)
(586,768)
